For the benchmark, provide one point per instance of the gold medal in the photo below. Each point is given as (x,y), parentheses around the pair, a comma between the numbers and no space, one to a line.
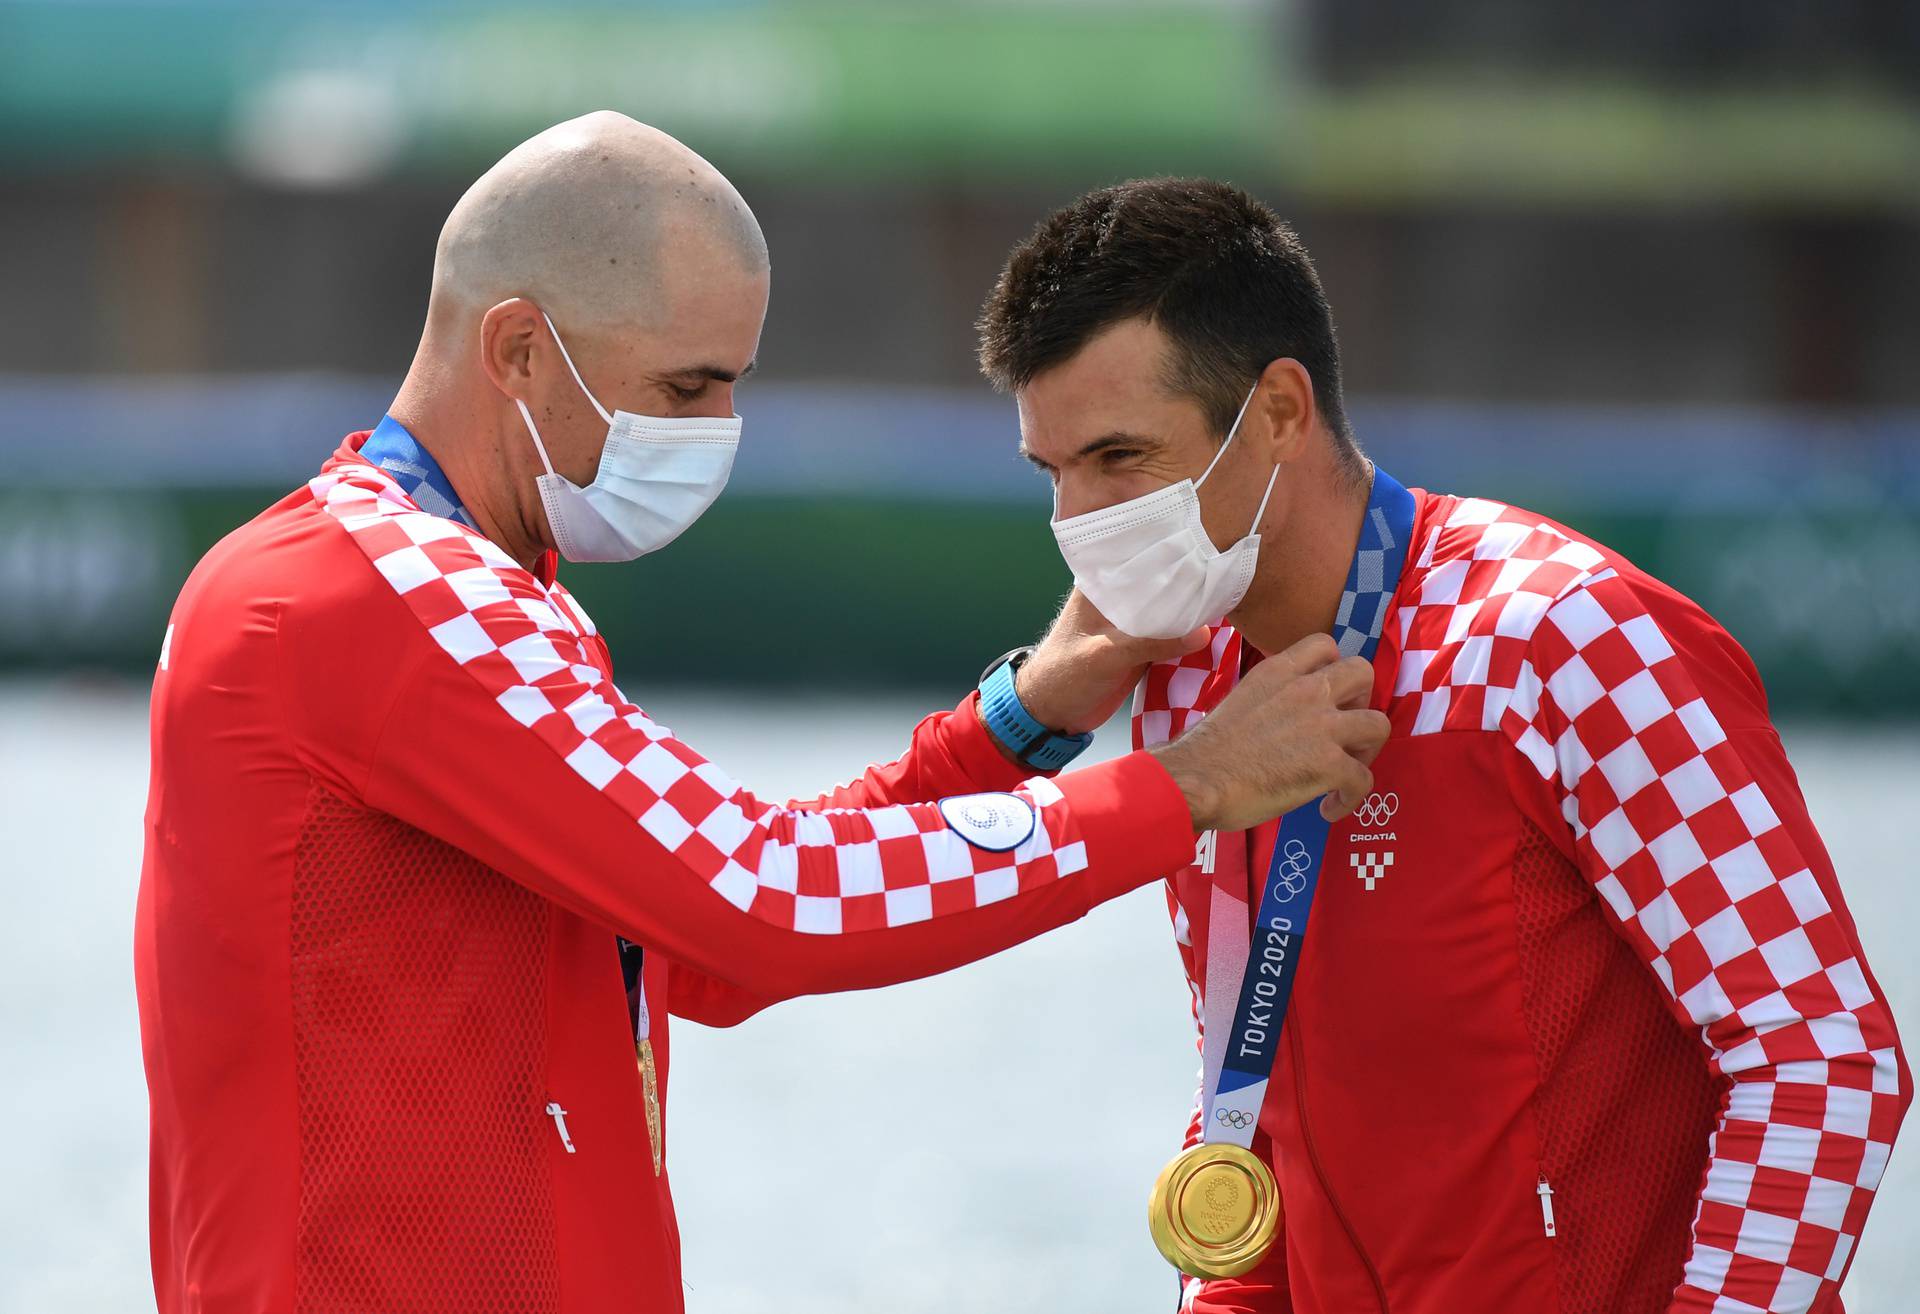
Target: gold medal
(650,1089)
(1215,1211)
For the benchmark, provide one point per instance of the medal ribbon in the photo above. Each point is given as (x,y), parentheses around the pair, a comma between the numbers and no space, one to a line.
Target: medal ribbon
(394,449)
(1240,1047)
(632,959)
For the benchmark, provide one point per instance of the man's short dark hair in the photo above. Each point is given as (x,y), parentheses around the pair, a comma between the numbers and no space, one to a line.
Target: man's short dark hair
(1229,284)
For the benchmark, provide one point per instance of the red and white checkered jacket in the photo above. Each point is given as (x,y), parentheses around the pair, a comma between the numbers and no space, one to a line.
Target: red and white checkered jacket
(1582,1022)
(399,812)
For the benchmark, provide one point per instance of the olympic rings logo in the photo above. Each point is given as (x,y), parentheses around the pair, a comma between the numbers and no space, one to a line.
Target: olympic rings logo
(1290,869)
(1376,811)
(1238,1119)
(979,814)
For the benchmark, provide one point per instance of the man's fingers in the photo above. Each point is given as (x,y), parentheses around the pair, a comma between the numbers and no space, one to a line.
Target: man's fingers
(1351,682)
(1306,656)
(1272,735)
(1363,731)
(1355,783)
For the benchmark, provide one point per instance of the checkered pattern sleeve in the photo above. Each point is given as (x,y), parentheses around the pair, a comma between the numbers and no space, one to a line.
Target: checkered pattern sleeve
(950,753)
(1735,912)
(509,742)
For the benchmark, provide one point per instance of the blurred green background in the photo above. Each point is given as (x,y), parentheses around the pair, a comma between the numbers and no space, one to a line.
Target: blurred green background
(1650,269)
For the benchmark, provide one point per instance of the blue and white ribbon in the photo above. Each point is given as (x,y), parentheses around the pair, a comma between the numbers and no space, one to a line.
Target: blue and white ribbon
(1241,1045)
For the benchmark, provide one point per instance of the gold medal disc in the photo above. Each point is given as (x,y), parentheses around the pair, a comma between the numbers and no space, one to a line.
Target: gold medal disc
(1214,1211)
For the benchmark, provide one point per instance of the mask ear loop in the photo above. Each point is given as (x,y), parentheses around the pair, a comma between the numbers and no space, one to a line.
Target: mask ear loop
(1265,497)
(574,370)
(527,415)
(538,446)
(1272,479)
(1231,434)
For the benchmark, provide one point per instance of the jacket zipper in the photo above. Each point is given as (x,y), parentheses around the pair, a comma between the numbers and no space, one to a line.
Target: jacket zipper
(1313,1157)
(559,1116)
(1546,1205)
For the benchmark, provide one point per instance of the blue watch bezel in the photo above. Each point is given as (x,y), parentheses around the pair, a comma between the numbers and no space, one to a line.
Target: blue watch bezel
(1008,720)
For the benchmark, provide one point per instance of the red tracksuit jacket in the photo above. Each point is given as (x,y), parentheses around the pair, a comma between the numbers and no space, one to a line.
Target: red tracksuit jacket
(1583,940)
(398,814)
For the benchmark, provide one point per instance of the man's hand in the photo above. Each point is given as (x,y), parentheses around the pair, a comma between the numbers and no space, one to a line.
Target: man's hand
(1084,669)
(1296,727)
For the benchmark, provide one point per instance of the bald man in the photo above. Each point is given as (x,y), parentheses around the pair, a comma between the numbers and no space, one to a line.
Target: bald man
(422,885)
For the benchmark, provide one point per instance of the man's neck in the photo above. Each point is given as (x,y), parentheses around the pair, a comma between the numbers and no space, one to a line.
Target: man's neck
(1297,586)
(465,447)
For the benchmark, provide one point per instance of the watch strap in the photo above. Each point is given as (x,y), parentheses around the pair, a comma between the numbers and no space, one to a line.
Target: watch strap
(1007,719)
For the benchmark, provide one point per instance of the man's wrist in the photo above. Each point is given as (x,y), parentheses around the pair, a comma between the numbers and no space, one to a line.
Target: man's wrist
(980,719)
(1017,730)
(1134,820)
(1193,785)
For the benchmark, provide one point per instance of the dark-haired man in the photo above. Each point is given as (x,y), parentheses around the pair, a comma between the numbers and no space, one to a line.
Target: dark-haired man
(1584,1025)
(421,885)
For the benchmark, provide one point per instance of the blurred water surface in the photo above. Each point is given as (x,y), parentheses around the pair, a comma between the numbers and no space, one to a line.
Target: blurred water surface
(983,1140)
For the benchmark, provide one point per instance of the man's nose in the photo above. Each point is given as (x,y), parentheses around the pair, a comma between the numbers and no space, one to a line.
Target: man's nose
(1076,496)
(717,404)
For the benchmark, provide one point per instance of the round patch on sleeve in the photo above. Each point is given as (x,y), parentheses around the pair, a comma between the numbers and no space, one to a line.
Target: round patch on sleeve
(994,822)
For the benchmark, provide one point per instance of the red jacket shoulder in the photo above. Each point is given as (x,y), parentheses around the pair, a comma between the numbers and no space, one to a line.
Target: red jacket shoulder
(285,623)
(1486,569)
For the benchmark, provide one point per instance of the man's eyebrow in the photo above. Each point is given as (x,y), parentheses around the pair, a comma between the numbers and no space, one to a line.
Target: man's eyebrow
(717,373)
(1118,438)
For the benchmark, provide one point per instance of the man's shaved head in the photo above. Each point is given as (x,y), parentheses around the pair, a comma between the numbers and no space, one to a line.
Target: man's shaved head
(598,220)
(602,242)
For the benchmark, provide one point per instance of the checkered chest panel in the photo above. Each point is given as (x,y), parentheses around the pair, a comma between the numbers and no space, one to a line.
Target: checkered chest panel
(821,872)
(1506,625)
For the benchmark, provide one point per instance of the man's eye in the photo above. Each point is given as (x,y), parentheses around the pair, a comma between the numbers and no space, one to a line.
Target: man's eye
(1118,455)
(687,394)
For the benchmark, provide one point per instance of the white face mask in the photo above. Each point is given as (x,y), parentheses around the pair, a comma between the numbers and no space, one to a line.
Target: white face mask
(1148,564)
(656,476)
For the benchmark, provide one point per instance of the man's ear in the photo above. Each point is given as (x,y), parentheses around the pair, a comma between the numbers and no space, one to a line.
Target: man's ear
(509,333)
(1285,400)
